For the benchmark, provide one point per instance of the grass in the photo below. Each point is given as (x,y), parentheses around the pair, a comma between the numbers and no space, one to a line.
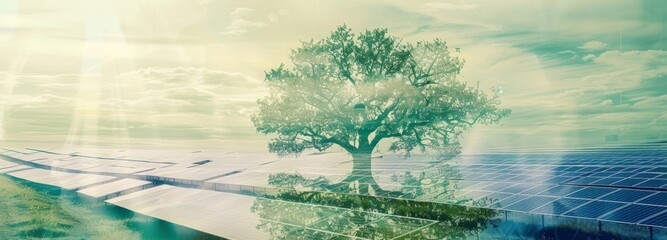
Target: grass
(27,213)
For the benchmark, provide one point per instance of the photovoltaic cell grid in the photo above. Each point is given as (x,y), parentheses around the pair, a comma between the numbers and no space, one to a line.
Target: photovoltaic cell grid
(619,185)
(626,185)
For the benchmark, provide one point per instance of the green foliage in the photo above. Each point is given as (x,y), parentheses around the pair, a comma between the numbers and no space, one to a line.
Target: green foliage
(409,92)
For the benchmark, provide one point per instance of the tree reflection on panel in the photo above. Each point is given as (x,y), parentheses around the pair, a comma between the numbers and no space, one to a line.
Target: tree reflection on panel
(337,208)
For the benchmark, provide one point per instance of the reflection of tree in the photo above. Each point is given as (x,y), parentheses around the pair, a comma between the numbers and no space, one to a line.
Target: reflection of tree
(337,207)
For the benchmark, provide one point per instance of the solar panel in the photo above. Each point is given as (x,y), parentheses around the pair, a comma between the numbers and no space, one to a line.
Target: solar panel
(511,200)
(633,213)
(589,169)
(623,174)
(559,206)
(607,181)
(537,189)
(656,199)
(496,186)
(601,174)
(584,180)
(653,183)
(659,220)
(627,195)
(519,178)
(530,203)
(628,182)
(560,191)
(645,175)
(558,179)
(496,196)
(517,188)
(658,170)
(572,174)
(593,209)
(591,192)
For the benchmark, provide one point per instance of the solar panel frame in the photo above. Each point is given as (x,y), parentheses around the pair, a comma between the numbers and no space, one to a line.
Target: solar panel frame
(658,220)
(530,203)
(652,183)
(627,195)
(659,199)
(559,206)
(593,209)
(560,190)
(632,213)
(607,181)
(628,182)
(591,192)
(517,188)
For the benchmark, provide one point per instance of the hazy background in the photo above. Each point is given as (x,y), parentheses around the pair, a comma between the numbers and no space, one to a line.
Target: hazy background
(158,73)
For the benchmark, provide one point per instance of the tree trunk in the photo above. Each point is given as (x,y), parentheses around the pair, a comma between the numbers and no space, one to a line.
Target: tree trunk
(362,173)
(361,163)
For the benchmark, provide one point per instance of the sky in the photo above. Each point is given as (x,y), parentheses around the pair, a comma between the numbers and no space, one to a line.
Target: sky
(187,74)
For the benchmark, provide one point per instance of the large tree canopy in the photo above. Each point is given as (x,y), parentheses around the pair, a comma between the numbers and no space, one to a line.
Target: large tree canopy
(356,90)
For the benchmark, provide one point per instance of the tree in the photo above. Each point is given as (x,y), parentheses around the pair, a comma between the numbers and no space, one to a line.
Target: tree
(356,91)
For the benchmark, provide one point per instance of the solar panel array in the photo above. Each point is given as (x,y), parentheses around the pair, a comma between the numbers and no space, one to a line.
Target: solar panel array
(624,186)
(619,185)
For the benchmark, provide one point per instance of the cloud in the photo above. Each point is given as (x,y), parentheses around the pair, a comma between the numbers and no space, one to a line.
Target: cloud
(588,57)
(161,104)
(607,102)
(436,6)
(25,101)
(240,23)
(279,15)
(593,46)
(652,101)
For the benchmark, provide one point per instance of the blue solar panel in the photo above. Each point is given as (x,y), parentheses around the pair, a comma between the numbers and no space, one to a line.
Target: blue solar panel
(530,203)
(653,183)
(559,206)
(659,220)
(517,188)
(558,179)
(593,209)
(589,169)
(591,192)
(496,186)
(633,213)
(584,180)
(658,170)
(572,174)
(607,181)
(645,175)
(628,182)
(511,200)
(479,177)
(501,177)
(623,174)
(656,199)
(496,196)
(602,174)
(627,195)
(537,189)
(519,178)
(575,168)
(560,191)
